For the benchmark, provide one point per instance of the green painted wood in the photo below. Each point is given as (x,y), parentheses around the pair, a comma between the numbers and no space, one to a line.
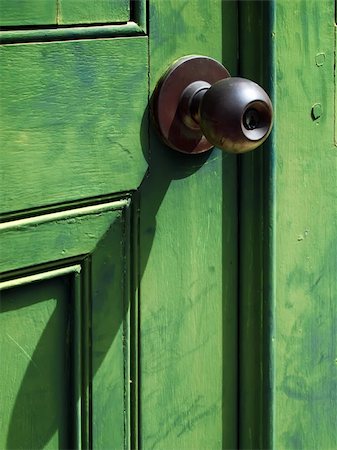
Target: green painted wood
(188,241)
(71,107)
(305,396)
(154,290)
(27,12)
(96,329)
(62,235)
(35,353)
(99,11)
(290,291)
(335,82)
(71,33)
(62,12)
(110,300)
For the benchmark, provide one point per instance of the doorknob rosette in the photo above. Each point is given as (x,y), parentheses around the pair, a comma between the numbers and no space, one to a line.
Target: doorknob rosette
(197,105)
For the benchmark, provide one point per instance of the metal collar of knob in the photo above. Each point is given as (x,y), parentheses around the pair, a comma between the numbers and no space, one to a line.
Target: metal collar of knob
(197,105)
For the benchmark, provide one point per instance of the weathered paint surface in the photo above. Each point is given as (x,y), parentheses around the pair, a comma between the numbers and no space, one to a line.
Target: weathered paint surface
(34,321)
(65,332)
(293,300)
(99,11)
(305,315)
(75,145)
(71,108)
(188,292)
(28,12)
(62,12)
(97,291)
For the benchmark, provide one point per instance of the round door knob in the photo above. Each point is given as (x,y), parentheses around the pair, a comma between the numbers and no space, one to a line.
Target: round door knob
(197,106)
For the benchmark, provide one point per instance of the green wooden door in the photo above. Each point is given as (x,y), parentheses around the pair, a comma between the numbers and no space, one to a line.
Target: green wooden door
(118,256)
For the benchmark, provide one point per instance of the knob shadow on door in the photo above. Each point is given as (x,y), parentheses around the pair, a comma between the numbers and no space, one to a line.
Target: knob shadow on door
(197,105)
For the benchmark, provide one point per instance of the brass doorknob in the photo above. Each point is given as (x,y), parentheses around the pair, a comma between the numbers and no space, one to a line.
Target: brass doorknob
(197,105)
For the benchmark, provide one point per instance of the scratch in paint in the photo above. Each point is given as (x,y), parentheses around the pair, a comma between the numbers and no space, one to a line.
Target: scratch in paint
(21,348)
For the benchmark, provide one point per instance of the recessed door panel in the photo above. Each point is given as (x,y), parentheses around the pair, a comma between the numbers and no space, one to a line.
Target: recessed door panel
(65,329)
(35,354)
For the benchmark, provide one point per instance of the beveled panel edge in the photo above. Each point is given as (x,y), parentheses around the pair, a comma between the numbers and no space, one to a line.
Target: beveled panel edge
(41,276)
(139,13)
(12,215)
(70,33)
(50,217)
(18,225)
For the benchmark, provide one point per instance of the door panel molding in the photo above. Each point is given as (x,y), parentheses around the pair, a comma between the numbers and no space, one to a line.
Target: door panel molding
(64,234)
(38,341)
(41,276)
(136,25)
(101,333)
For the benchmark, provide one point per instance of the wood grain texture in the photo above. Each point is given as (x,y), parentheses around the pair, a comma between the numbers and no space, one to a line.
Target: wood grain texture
(188,259)
(289,290)
(28,12)
(291,268)
(75,106)
(35,374)
(99,11)
(76,126)
(85,401)
(64,236)
(305,396)
(62,12)
(109,299)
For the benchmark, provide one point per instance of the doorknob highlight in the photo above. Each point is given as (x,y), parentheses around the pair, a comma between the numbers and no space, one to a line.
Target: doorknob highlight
(197,105)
